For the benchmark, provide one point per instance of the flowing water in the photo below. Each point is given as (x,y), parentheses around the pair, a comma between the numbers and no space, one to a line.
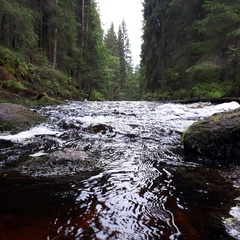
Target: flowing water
(140,187)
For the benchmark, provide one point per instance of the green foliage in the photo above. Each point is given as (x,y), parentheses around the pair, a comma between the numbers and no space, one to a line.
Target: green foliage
(25,78)
(96,96)
(13,84)
(204,71)
(119,74)
(19,23)
(157,96)
(188,46)
(54,74)
(211,90)
(55,83)
(201,48)
(219,19)
(172,74)
(133,87)
(64,40)
(9,56)
(233,64)
(111,41)
(180,94)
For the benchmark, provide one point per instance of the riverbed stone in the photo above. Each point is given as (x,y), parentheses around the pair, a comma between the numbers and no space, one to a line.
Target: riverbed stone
(67,161)
(15,118)
(215,139)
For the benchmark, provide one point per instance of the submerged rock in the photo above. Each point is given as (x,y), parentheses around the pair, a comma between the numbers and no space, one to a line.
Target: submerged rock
(16,118)
(58,163)
(215,139)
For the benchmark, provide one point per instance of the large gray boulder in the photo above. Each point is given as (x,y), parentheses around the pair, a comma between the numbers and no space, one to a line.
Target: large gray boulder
(58,163)
(215,139)
(15,118)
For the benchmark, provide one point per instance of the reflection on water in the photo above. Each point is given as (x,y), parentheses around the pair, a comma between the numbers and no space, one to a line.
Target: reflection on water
(140,189)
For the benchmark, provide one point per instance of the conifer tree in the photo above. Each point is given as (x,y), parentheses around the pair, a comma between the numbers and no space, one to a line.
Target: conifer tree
(125,55)
(17,24)
(113,63)
(190,47)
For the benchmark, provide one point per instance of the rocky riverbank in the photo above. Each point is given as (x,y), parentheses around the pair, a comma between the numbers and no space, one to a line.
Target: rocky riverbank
(15,118)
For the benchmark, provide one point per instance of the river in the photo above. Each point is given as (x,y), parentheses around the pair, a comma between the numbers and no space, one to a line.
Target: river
(140,186)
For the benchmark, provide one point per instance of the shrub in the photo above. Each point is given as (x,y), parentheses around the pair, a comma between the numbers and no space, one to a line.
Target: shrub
(95,96)
(211,90)
(13,84)
(204,71)
(6,55)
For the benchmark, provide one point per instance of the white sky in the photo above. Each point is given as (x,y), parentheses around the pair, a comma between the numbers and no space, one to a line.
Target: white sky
(129,10)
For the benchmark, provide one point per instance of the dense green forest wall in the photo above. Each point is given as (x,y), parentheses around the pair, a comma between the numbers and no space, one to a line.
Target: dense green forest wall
(191,49)
(59,47)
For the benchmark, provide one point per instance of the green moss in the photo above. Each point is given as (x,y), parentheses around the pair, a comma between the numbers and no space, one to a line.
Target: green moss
(184,134)
(219,116)
(230,220)
(43,99)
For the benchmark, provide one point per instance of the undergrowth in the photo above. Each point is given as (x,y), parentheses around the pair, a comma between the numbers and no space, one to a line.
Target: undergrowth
(28,80)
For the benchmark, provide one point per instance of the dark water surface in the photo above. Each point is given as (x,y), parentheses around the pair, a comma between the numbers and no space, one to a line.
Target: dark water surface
(140,187)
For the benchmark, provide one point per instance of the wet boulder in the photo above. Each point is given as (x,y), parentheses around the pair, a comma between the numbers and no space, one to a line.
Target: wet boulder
(99,128)
(16,118)
(63,162)
(214,139)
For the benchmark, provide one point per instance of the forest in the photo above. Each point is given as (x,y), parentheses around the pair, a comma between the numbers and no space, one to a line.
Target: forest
(58,47)
(190,50)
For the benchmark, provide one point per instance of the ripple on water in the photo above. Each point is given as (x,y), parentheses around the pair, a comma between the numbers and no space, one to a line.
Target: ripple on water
(142,188)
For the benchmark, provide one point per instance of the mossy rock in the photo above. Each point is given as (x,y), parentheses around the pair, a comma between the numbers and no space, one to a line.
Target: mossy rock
(215,139)
(6,97)
(43,99)
(15,118)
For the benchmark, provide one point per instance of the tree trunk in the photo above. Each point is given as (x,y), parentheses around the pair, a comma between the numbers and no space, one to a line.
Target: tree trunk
(162,45)
(2,27)
(14,39)
(54,62)
(83,22)
(40,25)
(55,48)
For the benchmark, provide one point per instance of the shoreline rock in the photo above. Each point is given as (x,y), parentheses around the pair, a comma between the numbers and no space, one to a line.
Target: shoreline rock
(15,118)
(214,140)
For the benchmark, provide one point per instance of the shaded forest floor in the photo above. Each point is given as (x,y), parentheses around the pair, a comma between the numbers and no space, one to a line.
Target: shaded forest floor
(22,82)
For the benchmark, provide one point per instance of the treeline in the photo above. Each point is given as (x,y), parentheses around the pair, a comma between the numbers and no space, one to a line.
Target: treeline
(67,35)
(123,78)
(191,49)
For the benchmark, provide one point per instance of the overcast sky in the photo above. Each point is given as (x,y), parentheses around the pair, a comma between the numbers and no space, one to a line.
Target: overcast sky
(129,10)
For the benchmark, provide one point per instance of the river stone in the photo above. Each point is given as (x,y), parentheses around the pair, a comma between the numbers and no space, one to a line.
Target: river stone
(214,139)
(16,118)
(63,162)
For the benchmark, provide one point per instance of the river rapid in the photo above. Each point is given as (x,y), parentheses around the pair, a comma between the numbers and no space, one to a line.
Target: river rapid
(139,186)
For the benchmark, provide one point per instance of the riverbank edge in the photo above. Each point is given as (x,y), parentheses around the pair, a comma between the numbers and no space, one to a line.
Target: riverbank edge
(15,118)
(41,99)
